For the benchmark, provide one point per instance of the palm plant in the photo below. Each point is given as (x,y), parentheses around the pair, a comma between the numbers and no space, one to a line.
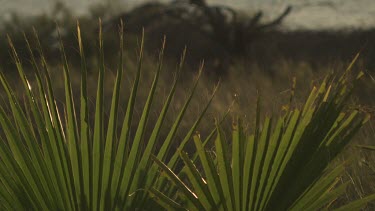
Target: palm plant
(367,147)
(53,160)
(74,161)
(282,165)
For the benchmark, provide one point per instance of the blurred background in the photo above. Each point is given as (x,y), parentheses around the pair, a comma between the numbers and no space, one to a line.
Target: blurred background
(279,39)
(313,31)
(308,14)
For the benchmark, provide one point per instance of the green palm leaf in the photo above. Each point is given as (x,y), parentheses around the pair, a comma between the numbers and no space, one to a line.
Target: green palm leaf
(53,160)
(281,167)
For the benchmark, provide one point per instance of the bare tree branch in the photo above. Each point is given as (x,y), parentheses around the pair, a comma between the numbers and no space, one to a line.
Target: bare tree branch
(278,20)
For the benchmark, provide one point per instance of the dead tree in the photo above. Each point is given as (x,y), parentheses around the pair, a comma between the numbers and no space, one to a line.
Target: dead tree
(213,33)
(201,3)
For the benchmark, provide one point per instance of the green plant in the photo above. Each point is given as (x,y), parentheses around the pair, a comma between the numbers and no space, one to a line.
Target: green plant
(283,165)
(51,160)
(367,147)
(59,157)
